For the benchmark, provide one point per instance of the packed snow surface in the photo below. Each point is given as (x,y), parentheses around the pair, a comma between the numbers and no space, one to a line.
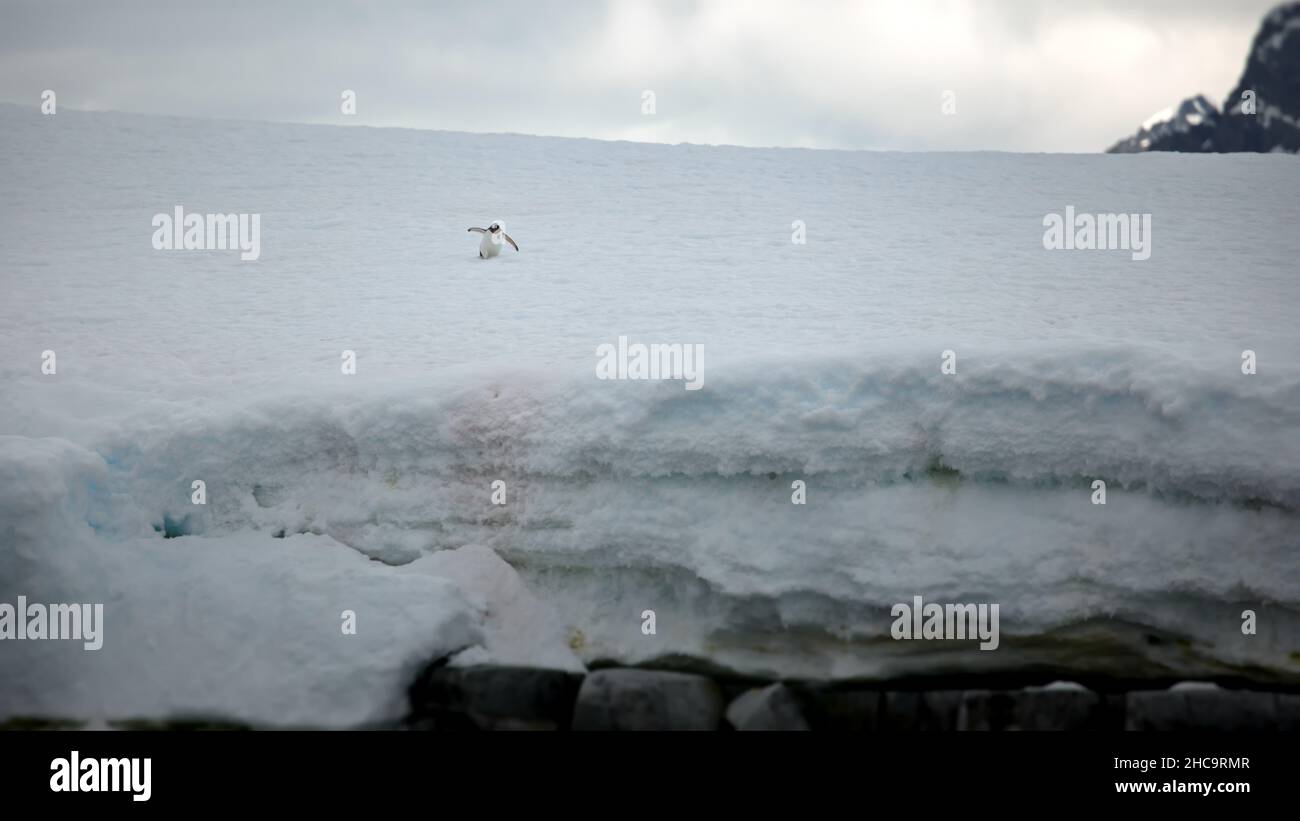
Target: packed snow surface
(372,491)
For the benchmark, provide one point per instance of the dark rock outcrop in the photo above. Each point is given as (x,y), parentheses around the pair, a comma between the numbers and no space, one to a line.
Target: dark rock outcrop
(1038,708)
(829,708)
(1202,709)
(1261,114)
(773,707)
(647,700)
(930,710)
(493,698)
(512,698)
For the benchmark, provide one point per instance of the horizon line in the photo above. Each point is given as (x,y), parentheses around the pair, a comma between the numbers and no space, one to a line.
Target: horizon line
(233,119)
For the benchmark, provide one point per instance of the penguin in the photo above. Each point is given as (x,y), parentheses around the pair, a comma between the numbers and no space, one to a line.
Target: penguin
(490,245)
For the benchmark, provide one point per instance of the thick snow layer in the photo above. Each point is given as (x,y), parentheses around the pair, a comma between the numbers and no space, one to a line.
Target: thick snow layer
(821,365)
(236,625)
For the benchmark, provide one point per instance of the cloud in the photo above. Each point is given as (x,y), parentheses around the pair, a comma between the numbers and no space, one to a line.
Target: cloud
(1026,76)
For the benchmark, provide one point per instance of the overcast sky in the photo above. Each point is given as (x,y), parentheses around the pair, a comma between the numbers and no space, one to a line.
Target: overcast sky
(1025,76)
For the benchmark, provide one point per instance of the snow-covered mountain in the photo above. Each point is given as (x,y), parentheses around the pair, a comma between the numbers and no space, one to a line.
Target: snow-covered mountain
(1270,85)
(1189,127)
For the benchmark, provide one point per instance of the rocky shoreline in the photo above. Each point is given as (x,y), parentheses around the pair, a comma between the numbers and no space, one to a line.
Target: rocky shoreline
(448,698)
(443,698)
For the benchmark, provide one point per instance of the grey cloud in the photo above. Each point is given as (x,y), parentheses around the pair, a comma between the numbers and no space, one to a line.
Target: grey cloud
(1028,75)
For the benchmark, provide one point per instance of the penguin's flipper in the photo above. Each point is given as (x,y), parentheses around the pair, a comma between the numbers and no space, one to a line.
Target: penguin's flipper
(509,240)
(480,230)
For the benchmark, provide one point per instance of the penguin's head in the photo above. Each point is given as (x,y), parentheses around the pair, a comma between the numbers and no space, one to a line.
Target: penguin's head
(495,228)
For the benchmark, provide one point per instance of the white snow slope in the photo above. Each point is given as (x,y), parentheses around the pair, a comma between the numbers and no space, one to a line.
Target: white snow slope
(822,364)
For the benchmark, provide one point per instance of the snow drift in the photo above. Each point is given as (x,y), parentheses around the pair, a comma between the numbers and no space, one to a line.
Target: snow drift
(627,496)
(373,492)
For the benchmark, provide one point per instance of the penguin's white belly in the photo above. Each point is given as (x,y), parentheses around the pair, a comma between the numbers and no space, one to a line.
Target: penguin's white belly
(487,248)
